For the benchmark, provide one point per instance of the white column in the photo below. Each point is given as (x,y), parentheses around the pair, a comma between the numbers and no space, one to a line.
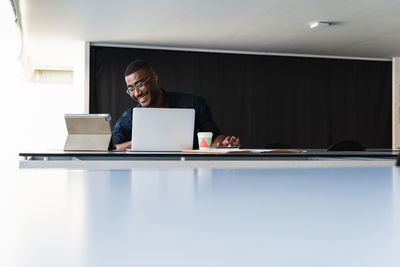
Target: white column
(396,103)
(87,77)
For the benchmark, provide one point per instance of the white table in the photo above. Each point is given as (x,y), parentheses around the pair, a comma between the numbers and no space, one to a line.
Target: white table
(129,160)
(346,216)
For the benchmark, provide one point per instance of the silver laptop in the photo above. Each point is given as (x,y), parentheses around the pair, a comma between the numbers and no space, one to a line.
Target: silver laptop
(162,129)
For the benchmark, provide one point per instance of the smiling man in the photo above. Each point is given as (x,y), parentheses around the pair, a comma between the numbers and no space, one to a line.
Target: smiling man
(142,83)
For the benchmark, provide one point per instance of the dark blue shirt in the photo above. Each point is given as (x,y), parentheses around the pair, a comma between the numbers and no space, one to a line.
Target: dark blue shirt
(204,121)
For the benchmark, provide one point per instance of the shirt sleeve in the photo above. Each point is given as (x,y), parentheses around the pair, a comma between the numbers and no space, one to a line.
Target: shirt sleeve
(123,128)
(204,119)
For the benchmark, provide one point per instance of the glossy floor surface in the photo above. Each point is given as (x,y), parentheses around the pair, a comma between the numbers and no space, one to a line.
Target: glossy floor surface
(202,217)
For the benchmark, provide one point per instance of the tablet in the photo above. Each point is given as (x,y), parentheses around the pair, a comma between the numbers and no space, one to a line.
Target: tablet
(88,132)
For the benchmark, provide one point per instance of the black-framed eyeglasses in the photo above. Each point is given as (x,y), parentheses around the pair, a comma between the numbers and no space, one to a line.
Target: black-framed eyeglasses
(138,86)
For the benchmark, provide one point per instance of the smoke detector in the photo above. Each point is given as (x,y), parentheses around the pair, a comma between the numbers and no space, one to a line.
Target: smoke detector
(319,24)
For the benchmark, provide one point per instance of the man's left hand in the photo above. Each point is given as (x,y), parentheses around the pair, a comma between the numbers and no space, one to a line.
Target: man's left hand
(228,141)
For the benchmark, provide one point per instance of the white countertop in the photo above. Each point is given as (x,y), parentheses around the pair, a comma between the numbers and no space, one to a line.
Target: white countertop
(201,217)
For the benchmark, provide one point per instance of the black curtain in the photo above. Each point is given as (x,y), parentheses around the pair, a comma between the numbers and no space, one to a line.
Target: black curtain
(303,102)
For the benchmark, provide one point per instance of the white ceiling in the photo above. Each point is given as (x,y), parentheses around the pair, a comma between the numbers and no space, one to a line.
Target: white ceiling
(363,28)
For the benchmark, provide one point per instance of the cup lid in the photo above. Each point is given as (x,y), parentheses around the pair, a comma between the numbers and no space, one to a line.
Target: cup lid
(205,133)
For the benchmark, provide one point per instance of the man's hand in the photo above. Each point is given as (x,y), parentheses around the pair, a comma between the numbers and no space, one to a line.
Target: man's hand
(123,146)
(226,141)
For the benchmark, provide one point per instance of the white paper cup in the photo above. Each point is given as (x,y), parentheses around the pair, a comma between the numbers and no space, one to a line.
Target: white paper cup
(205,139)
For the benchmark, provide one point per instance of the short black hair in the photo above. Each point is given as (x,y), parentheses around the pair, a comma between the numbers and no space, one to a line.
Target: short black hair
(137,65)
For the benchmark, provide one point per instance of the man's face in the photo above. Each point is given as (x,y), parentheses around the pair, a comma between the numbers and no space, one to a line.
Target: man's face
(147,95)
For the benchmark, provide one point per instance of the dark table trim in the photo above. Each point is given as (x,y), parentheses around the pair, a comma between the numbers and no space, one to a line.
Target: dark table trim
(391,154)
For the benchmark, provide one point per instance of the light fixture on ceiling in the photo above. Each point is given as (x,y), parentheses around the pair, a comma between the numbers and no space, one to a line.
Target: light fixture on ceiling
(319,24)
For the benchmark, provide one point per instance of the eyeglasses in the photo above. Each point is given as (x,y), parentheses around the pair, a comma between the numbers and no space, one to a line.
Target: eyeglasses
(138,86)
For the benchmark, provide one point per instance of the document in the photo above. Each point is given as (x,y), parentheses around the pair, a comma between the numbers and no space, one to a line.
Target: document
(226,150)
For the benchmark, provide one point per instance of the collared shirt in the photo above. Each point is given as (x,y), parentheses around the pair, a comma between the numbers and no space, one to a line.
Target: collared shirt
(204,121)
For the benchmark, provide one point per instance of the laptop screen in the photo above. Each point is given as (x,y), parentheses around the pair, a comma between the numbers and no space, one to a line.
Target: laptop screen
(162,129)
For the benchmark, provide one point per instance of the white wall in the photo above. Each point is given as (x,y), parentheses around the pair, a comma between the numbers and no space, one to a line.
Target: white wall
(396,104)
(47,103)
(32,114)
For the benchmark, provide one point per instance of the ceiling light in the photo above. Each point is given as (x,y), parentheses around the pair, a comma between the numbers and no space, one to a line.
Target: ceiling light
(319,25)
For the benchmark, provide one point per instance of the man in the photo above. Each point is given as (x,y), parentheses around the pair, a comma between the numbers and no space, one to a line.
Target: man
(143,87)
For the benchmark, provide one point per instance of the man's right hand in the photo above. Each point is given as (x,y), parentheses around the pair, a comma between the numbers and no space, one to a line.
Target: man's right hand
(123,146)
